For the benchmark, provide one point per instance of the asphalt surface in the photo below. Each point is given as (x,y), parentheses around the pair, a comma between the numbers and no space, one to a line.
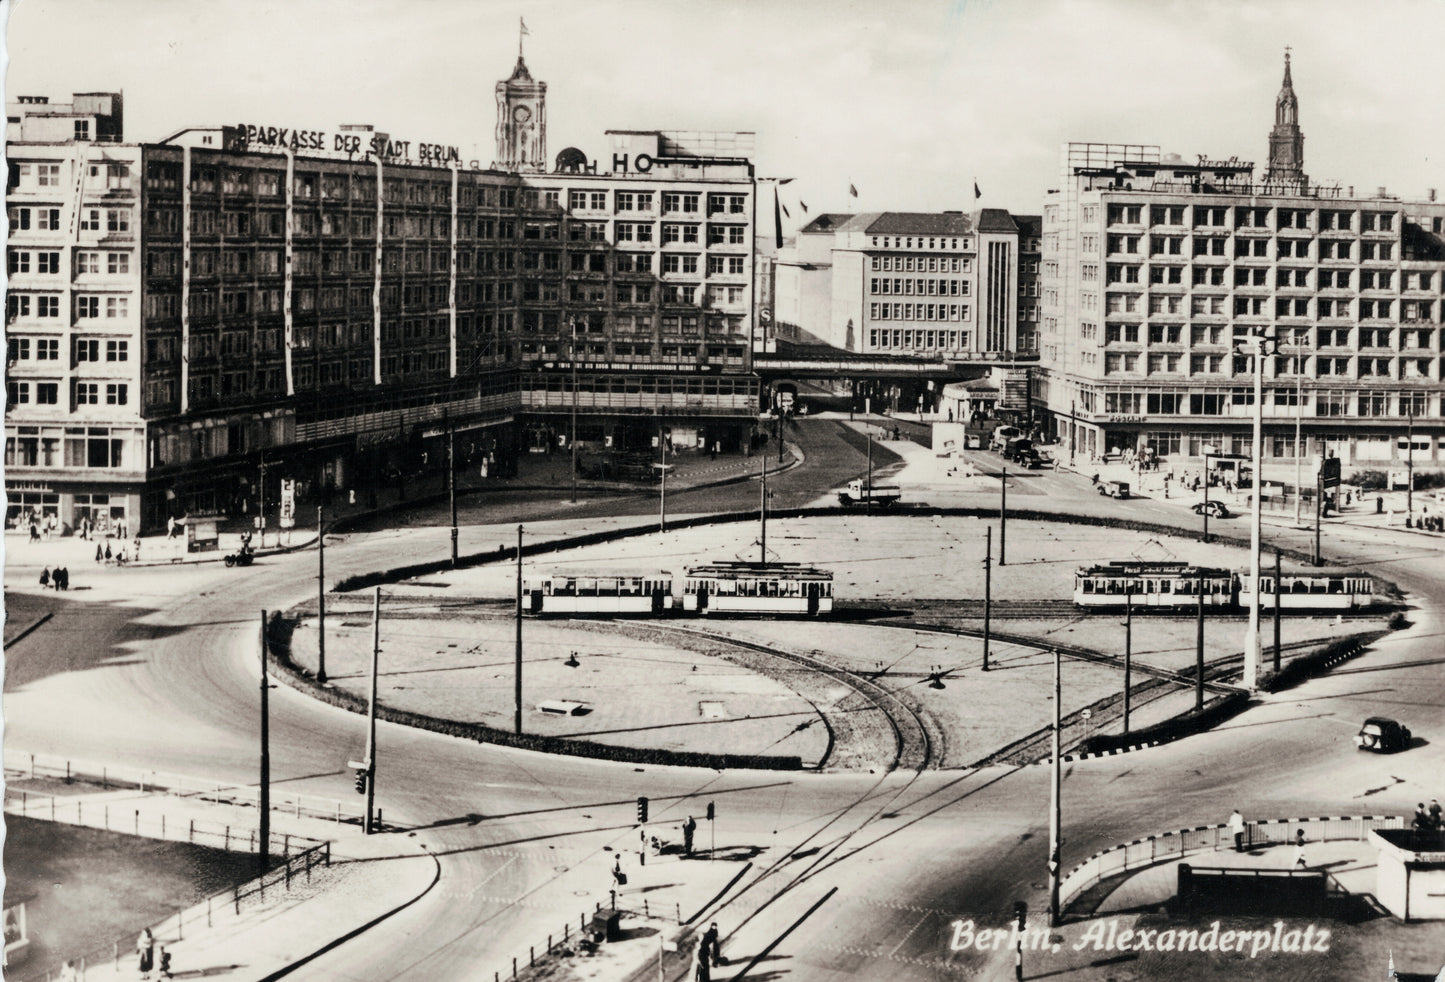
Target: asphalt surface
(158,668)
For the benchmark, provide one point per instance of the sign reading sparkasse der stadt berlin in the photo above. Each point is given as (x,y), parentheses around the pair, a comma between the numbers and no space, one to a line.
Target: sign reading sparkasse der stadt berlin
(364,144)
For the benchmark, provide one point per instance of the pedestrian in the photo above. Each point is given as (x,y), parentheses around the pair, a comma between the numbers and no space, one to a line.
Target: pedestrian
(45,578)
(99,553)
(712,945)
(1299,849)
(137,548)
(107,551)
(688,828)
(699,971)
(1434,813)
(68,973)
(163,964)
(171,527)
(34,530)
(1236,825)
(619,878)
(62,576)
(1422,822)
(145,947)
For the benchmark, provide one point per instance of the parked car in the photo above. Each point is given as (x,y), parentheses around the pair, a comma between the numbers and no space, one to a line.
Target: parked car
(1114,489)
(1214,509)
(1382,735)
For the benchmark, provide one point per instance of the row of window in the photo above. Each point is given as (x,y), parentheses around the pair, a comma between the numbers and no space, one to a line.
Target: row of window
(924,264)
(1260,248)
(20,393)
(923,287)
(1237,401)
(1412,338)
(1158,274)
(20,262)
(921,242)
(918,339)
(1170,363)
(46,306)
(76,446)
(919,311)
(1326,219)
(684,202)
(23,348)
(166,176)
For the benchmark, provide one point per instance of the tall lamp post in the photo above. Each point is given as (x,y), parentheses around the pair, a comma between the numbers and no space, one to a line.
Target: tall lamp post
(1257,347)
(572,440)
(1299,402)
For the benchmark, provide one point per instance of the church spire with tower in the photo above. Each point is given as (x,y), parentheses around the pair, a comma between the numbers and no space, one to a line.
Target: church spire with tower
(1286,142)
(521,118)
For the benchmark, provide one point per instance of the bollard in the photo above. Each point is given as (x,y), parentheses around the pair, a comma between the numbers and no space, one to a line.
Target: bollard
(115,953)
(645,912)
(191,835)
(163,826)
(228,838)
(104,779)
(208,912)
(566,931)
(78,806)
(286,846)
(531,956)
(514,967)
(23,802)
(137,822)
(679,913)
(32,767)
(105,817)
(549,944)
(67,772)
(237,892)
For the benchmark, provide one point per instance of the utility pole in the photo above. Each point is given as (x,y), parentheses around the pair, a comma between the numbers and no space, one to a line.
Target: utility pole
(1319,504)
(780,436)
(517,719)
(452,484)
(261,506)
(1128,646)
(1205,510)
(763,511)
(1002,514)
(662,497)
(320,598)
(1073,428)
(573,439)
(987,589)
(1250,678)
(1055,817)
(368,826)
(1276,610)
(1409,463)
(263,858)
(1199,646)
(1299,450)
(868,498)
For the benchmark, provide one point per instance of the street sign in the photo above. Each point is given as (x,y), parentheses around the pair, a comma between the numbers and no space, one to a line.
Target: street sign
(1330,473)
(288,503)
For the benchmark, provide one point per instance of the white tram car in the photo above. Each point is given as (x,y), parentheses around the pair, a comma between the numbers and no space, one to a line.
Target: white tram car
(1177,585)
(606,592)
(757,588)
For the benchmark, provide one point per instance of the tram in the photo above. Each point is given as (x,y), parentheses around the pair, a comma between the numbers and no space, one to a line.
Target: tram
(603,592)
(1315,589)
(1177,584)
(757,588)
(1154,584)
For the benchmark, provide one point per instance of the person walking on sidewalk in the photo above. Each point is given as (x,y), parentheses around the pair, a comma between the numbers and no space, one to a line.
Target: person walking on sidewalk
(689,827)
(711,946)
(1236,825)
(1422,821)
(145,947)
(1435,821)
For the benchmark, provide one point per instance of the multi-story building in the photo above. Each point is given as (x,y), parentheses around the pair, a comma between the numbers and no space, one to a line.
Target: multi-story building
(1030,310)
(941,286)
(1157,273)
(187,316)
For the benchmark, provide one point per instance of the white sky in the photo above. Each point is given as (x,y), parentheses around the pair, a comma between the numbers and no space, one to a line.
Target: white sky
(909,100)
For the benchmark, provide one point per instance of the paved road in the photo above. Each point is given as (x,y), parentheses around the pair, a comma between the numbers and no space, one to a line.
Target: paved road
(157,668)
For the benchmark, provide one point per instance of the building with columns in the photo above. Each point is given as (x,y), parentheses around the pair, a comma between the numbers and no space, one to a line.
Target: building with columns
(1157,270)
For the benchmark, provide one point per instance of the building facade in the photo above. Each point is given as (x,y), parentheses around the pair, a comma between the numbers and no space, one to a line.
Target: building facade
(244,304)
(1157,273)
(933,285)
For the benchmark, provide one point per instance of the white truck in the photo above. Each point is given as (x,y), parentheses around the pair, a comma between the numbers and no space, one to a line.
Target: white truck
(859,493)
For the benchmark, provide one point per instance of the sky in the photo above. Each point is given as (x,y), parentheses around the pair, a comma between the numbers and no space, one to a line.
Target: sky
(909,101)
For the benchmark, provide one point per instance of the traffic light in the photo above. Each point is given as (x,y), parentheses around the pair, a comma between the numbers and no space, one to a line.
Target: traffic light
(361,780)
(1021,913)
(641,810)
(711,811)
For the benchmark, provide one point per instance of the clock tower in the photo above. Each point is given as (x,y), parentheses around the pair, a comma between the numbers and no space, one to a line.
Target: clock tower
(521,121)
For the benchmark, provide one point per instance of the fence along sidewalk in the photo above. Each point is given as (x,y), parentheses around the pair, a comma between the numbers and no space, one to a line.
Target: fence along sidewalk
(19,766)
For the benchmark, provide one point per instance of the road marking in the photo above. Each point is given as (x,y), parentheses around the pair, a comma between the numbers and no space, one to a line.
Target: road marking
(916,925)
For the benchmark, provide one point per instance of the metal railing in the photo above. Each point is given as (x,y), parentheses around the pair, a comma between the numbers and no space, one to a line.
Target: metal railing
(19,766)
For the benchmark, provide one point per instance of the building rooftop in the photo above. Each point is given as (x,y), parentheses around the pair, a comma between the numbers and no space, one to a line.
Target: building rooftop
(922,223)
(996,220)
(829,222)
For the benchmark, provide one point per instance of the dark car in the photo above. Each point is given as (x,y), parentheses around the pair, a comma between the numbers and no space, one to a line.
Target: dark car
(1214,509)
(1382,735)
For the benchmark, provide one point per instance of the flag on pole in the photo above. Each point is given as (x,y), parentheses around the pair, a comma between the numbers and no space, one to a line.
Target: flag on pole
(777,218)
(803,205)
(785,210)
(976,192)
(524,26)
(852,190)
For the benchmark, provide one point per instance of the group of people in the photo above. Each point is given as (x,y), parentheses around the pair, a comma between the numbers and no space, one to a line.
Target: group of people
(152,957)
(1428,819)
(103,553)
(43,526)
(707,955)
(1240,831)
(60,579)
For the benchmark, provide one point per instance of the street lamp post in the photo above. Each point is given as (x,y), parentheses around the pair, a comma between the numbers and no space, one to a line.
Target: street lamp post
(1409,462)
(1298,426)
(572,440)
(1259,346)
